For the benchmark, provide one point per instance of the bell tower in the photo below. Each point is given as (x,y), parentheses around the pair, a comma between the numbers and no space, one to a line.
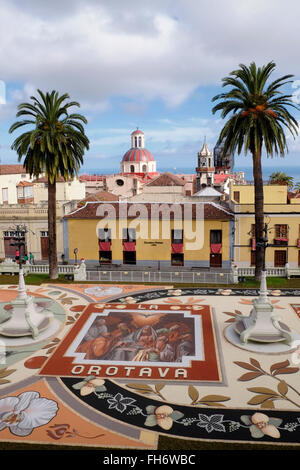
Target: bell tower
(205,169)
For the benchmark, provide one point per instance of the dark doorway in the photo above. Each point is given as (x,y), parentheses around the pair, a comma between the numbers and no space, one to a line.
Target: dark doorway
(44,248)
(177,259)
(216,260)
(129,257)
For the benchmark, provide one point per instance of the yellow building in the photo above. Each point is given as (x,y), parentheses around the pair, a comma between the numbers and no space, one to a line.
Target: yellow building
(282,215)
(150,234)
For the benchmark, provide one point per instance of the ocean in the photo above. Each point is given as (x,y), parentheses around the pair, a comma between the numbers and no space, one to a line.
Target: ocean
(293,171)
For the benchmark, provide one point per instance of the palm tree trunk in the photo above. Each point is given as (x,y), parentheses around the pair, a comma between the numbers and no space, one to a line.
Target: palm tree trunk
(259,212)
(53,268)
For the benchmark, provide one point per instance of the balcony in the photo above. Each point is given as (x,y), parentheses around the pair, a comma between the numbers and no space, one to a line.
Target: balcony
(281,241)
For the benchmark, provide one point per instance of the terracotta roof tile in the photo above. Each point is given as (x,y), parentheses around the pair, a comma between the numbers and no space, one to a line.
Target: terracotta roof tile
(212,210)
(12,169)
(167,179)
(98,196)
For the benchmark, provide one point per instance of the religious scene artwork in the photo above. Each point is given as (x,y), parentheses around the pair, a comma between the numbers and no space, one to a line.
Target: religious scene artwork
(151,337)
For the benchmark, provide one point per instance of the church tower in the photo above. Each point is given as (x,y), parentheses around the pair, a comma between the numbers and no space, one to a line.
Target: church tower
(205,170)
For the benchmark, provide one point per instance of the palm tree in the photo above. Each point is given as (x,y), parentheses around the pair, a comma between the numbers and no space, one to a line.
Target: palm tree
(297,187)
(278,177)
(54,146)
(258,118)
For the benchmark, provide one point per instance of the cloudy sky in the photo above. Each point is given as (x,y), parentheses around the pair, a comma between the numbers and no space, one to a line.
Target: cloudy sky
(138,63)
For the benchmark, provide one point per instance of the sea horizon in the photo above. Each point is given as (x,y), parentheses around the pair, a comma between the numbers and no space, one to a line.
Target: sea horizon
(293,171)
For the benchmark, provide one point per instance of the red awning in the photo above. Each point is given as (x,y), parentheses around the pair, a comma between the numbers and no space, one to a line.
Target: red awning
(129,246)
(104,246)
(215,247)
(177,247)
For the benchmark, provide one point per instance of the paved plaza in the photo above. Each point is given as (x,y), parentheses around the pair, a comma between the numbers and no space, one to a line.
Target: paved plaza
(121,365)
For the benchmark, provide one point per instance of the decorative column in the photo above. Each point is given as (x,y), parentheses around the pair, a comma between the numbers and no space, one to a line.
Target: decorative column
(262,325)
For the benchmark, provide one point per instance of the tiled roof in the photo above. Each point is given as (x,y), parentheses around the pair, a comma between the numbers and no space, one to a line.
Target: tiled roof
(211,210)
(12,169)
(167,179)
(98,196)
(24,183)
(86,177)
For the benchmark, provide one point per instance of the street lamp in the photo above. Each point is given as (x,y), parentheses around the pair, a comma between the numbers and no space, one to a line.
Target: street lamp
(25,318)
(262,326)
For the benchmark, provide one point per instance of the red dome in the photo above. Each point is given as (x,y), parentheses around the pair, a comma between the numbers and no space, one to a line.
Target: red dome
(138,131)
(138,155)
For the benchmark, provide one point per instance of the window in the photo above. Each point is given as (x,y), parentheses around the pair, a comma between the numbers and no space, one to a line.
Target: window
(177,236)
(281,231)
(104,234)
(129,235)
(236,196)
(279,258)
(44,233)
(135,141)
(215,236)
(144,168)
(14,234)
(140,141)
(120,182)
(5,195)
(131,168)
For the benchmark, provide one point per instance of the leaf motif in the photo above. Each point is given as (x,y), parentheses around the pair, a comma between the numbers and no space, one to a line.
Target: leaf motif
(282,388)
(255,363)
(6,372)
(231,320)
(250,376)
(238,312)
(141,387)
(4,381)
(258,399)
(159,387)
(245,365)
(213,398)
(193,393)
(62,296)
(263,391)
(268,404)
(279,365)
(287,370)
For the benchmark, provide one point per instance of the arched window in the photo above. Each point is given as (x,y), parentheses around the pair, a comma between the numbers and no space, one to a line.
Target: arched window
(144,168)
(140,141)
(135,141)
(132,168)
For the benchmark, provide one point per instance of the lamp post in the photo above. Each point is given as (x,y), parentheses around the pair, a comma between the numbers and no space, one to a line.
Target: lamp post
(262,326)
(25,319)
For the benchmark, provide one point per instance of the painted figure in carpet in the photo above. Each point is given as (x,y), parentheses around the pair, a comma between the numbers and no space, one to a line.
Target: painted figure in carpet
(152,338)
(98,340)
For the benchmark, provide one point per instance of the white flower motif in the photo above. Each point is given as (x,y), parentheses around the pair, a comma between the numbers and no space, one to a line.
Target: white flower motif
(25,412)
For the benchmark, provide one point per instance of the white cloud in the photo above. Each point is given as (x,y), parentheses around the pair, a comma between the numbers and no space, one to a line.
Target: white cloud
(97,49)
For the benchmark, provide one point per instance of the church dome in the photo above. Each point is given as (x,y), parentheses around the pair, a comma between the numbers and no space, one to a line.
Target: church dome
(138,160)
(136,154)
